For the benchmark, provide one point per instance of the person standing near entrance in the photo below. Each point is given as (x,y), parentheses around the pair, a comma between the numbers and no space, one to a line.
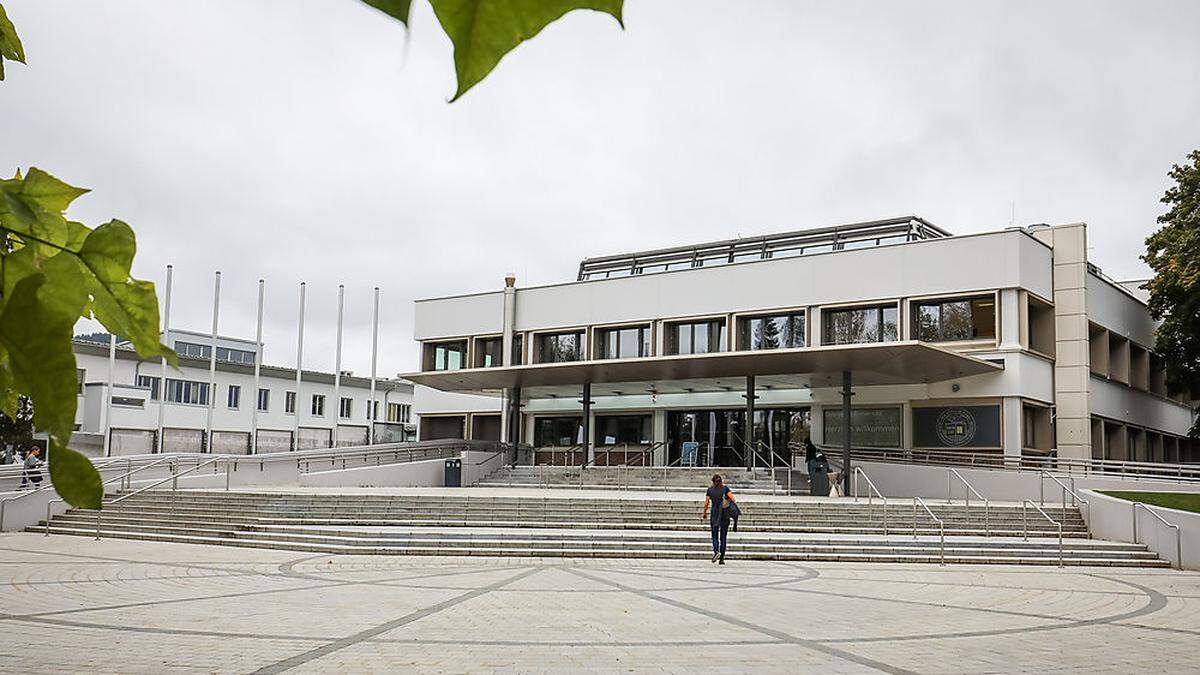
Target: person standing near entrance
(718,500)
(33,472)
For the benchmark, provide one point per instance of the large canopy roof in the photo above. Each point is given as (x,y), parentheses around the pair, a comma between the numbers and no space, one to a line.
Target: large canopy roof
(908,362)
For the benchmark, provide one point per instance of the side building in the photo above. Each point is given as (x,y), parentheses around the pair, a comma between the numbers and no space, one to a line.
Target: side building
(281,415)
(729,352)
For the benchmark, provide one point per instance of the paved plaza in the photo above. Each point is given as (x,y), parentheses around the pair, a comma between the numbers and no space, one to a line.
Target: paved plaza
(72,604)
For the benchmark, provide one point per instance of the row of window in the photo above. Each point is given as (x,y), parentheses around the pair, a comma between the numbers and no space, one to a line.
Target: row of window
(224,354)
(195,392)
(932,321)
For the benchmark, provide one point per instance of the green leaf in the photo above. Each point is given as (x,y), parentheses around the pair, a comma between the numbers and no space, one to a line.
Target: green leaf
(75,478)
(10,44)
(395,8)
(40,360)
(127,307)
(49,192)
(483,31)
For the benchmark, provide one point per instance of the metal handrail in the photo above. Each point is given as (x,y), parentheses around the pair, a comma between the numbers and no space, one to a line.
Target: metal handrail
(174,477)
(1178,531)
(1076,498)
(987,504)
(1025,525)
(870,505)
(939,521)
(124,478)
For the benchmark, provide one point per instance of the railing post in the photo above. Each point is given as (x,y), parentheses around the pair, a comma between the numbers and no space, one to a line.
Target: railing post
(914,518)
(228,472)
(48,517)
(1134,510)
(1025,520)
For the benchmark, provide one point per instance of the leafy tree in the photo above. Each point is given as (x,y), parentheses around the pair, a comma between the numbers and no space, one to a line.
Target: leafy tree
(1173,252)
(54,271)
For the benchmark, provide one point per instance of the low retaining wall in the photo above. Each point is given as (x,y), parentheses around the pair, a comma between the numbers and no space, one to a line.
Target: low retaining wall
(425,473)
(1113,519)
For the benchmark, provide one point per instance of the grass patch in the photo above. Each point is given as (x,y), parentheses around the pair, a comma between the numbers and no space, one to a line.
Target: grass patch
(1184,501)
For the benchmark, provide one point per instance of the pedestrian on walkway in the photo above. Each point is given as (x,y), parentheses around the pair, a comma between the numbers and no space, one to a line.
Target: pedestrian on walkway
(33,472)
(719,504)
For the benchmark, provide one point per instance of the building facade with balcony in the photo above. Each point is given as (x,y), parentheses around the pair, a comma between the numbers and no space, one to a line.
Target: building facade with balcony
(729,353)
(275,416)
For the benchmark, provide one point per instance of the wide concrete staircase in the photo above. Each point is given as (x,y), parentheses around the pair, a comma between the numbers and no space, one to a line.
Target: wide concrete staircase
(742,481)
(590,524)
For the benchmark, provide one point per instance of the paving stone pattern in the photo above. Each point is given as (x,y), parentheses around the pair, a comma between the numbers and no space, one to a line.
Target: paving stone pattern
(69,604)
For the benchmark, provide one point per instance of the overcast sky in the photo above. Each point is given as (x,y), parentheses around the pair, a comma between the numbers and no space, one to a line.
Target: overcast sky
(310,140)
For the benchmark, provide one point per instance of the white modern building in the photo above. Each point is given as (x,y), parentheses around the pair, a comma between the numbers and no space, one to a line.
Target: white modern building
(321,410)
(1007,342)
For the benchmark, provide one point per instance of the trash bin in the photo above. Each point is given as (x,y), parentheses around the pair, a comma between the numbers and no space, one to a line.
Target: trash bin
(818,476)
(454,473)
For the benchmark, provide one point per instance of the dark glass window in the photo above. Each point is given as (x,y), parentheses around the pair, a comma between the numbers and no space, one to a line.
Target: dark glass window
(149,381)
(623,343)
(959,319)
(518,350)
(560,347)
(557,431)
(776,331)
(450,355)
(187,391)
(860,324)
(614,429)
(488,352)
(696,337)
(264,399)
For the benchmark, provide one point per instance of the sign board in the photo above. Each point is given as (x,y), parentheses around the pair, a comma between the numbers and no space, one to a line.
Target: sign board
(873,427)
(688,454)
(967,426)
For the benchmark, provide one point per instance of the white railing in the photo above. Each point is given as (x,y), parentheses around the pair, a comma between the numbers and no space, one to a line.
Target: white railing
(1178,531)
(125,483)
(871,488)
(970,489)
(1025,525)
(1075,496)
(940,523)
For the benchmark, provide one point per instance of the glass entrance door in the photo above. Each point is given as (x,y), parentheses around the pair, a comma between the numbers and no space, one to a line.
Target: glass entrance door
(719,435)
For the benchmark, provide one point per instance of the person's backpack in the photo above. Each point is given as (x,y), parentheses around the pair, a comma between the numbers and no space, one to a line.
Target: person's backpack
(730,510)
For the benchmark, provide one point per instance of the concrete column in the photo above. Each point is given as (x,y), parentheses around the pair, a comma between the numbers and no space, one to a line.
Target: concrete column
(749,430)
(506,355)
(1010,318)
(1072,349)
(659,431)
(1011,430)
(847,429)
(906,427)
(587,421)
(816,418)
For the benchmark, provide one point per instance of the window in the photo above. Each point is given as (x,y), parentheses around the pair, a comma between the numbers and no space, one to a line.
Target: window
(623,343)
(776,331)
(372,410)
(224,354)
(264,399)
(234,397)
(289,403)
(488,352)
(959,319)
(150,382)
(860,324)
(557,431)
(80,374)
(560,347)
(611,430)
(696,337)
(450,355)
(345,406)
(393,412)
(518,356)
(187,391)
(318,405)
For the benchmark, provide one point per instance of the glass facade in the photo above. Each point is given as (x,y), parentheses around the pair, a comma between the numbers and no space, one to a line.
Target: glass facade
(560,347)
(958,319)
(224,354)
(615,429)
(557,431)
(861,324)
(450,355)
(694,337)
(775,331)
(623,343)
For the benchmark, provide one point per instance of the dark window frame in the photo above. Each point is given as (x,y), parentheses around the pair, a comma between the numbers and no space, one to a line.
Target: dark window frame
(541,351)
(940,332)
(438,361)
(603,335)
(746,323)
(881,310)
(712,328)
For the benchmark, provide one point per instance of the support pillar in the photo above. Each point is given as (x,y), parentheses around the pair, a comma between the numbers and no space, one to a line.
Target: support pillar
(749,431)
(513,413)
(587,421)
(847,429)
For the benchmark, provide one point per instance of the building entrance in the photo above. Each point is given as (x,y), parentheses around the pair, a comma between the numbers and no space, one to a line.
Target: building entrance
(719,436)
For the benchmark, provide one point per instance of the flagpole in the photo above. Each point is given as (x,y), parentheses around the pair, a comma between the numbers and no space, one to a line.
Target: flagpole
(299,366)
(212,364)
(162,380)
(112,364)
(258,350)
(372,412)
(337,369)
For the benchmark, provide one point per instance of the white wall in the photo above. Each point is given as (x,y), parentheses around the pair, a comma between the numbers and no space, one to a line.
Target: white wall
(1117,311)
(1111,518)
(1121,402)
(425,473)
